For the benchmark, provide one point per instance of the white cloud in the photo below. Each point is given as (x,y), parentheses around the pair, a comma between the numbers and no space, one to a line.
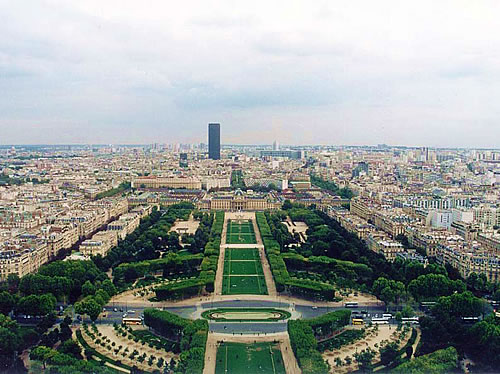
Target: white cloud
(328,72)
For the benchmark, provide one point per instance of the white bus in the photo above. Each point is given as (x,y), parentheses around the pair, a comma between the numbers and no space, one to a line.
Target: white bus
(380,321)
(131,321)
(387,315)
(351,305)
(411,320)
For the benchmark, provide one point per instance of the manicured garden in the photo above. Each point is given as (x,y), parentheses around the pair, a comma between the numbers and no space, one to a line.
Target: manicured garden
(258,358)
(246,315)
(240,232)
(282,278)
(205,280)
(340,340)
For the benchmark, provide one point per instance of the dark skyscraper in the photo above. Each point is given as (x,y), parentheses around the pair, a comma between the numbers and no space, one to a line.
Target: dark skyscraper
(214,141)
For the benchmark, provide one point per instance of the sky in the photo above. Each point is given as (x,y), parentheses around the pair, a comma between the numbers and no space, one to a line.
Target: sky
(417,73)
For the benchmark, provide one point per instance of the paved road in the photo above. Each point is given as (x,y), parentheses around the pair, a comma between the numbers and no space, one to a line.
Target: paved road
(247,328)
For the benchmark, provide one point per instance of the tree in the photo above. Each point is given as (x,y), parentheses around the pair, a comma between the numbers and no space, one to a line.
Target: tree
(438,362)
(389,353)
(9,343)
(364,359)
(47,303)
(90,307)
(88,289)
(43,354)
(407,311)
(409,352)
(13,282)
(109,287)
(287,205)
(72,348)
(387,290)
(34,305)
(7,302)
(101,297)
(65,329)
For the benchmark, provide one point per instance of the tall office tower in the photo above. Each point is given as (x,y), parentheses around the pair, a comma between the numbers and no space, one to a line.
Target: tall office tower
(214,141)
(276,146)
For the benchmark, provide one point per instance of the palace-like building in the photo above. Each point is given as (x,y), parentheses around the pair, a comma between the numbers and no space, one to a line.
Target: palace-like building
(239,200)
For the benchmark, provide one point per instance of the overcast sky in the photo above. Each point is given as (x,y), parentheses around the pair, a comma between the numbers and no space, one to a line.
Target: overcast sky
(302,72)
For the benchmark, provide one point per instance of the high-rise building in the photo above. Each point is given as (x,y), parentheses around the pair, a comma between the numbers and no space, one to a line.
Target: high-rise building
(276,146)
(214,141)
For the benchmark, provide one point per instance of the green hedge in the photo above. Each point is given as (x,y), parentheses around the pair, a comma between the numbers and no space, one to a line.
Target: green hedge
(440,361)
(328,323)
(305,347)
(184,264)
(165,323)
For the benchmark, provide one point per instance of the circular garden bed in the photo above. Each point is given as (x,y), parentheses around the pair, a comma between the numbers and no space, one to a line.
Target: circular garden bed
(246,315)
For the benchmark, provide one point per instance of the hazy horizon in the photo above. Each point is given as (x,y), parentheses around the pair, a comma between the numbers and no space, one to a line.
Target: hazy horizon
(115,72)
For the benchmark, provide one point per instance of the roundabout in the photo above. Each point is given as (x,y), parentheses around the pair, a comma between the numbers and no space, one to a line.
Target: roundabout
(246,315)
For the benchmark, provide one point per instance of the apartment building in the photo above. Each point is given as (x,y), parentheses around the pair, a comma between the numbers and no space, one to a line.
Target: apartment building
(99,244)
(22,260)
(380,243)
(154,182)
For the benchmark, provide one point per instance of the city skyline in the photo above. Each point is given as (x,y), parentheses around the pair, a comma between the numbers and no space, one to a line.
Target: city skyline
(307,74)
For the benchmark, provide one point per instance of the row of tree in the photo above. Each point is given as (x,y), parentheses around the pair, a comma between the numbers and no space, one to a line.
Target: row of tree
(124,186)
(191,334)
(345,192)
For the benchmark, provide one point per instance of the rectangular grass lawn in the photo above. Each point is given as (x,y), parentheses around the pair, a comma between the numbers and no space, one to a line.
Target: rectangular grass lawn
(243,272)
(250,267)
(242,254)
(258,358)
(240,233)
(244,285)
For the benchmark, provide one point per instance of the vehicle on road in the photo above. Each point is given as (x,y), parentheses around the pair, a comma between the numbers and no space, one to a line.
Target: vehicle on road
(131,321)
(380,321)
(358,321)
(351,305)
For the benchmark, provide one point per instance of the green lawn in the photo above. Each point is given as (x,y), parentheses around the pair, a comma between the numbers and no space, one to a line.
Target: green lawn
(259,358)
(240,233)
(246,315)
(244,285)
(242,254)
(249,267)
(243,272)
